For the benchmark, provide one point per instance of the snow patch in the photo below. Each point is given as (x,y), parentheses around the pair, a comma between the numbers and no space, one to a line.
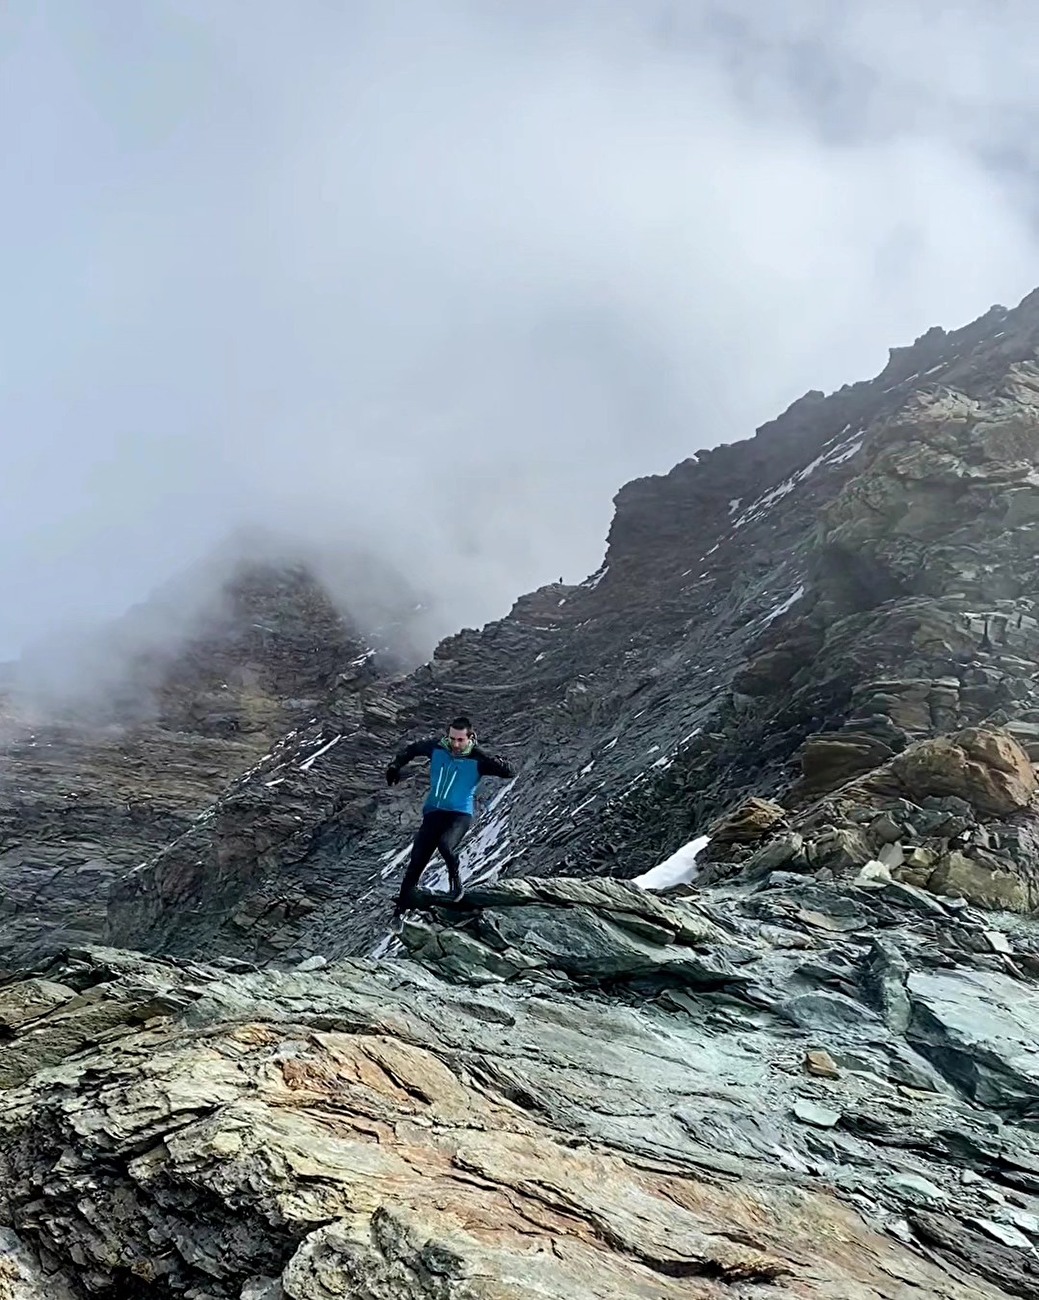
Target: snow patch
(581,806)
(485,844)
(632,784)
(679,869)
(396,861)
(838,456)
(500,795)
(309,763)
(767,500)
(782,608)
(591,583)
(382,946)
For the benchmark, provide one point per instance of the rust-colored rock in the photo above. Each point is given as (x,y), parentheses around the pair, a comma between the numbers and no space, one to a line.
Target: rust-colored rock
(301,1131)
(821,1064)
(986,767)
(747,822)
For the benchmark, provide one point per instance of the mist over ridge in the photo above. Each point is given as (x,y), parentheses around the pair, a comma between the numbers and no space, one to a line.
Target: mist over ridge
(432,284)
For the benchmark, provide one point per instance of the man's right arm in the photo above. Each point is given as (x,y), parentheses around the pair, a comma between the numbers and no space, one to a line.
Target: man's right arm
(418,749)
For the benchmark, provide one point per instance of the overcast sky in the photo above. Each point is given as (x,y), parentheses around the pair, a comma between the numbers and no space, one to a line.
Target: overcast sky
(442,275)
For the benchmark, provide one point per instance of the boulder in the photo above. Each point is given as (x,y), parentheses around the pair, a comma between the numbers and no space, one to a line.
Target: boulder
(749,821)
(918,863)
(842,849)
(979,1030)
(999,750)
(785,851)
(906,703)
(828,760)
(884,829)
(987,768)
(984,881)
(1027,736)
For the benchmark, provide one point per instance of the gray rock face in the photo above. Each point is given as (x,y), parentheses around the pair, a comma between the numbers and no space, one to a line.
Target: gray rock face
(730,646)
(23,1277)
(542,1096)
(87,799)
(980,1030)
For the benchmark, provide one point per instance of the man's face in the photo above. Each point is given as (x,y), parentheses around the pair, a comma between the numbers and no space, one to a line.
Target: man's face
(457,740)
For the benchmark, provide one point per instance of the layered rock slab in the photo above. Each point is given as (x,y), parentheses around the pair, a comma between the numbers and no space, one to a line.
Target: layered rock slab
(549,1104)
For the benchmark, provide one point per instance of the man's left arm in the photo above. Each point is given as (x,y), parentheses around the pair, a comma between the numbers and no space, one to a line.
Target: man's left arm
(493,766)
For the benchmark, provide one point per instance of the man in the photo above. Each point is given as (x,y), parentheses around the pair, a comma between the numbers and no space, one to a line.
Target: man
(456,764)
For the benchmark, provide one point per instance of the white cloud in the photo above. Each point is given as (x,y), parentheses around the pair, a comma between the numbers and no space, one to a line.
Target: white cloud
(442,276)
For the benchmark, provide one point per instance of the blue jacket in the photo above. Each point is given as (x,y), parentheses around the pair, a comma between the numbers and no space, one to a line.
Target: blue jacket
(452,780)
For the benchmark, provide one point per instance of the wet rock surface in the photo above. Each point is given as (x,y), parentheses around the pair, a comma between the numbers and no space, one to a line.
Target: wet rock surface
(554,1088)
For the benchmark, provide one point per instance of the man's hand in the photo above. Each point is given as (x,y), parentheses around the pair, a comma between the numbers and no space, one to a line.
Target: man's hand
(392,774)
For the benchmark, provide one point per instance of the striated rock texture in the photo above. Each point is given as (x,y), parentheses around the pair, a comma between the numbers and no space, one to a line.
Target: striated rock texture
(807,1069)
(773,619)
(577,1092)
(85,798)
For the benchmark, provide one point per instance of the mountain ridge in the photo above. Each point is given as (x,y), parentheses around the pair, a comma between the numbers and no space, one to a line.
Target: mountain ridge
(701,564)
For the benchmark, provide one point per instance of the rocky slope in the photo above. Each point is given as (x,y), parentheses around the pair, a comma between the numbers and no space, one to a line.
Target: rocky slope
(88,796)
(811,1072)
(577,1092)
(771,618)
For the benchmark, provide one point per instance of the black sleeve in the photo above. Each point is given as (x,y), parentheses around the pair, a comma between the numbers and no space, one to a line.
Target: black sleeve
(489,766)
(418,749)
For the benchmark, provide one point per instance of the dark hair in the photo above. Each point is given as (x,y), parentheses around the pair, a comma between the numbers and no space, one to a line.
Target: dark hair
(461,723)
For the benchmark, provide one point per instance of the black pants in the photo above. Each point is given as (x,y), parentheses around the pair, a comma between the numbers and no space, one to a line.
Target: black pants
(439,830)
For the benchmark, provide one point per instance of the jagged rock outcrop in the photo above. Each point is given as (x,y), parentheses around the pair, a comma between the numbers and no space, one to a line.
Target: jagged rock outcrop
(987,768)
(953,815)
(772,619)
(574,1092)
(86,798)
